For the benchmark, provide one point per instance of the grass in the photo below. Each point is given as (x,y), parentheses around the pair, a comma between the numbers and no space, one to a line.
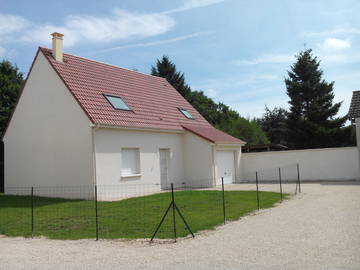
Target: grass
(132,218)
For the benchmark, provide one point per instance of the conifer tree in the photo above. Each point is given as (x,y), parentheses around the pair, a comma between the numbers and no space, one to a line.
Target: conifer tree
(167,69)
(312,121)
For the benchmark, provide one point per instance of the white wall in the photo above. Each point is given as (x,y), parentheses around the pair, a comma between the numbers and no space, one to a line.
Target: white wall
(198,160)
(315,164)
(108,144)
(357,125)
(48,141)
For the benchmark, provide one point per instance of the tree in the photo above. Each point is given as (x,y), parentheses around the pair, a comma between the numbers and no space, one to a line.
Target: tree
(311,122)
(217,114)
(167,69)
(11,81)
(273,122)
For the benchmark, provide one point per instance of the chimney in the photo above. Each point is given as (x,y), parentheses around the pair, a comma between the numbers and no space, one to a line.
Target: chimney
(57,46)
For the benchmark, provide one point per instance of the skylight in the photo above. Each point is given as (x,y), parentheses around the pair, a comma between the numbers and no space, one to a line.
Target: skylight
(186,113)
(118,103)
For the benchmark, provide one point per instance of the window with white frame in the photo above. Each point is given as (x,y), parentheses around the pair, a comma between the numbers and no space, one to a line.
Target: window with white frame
(130,161)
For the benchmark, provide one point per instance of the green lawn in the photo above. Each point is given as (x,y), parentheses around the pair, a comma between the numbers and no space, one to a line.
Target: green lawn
(131,218)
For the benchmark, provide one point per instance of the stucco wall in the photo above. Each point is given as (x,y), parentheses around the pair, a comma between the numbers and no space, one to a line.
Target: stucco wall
(108,144)
(199,161)
(315,164)
(357,125)
(48,142)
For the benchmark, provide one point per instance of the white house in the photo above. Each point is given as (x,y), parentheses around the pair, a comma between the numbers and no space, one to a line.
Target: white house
(82,122)
(354,116)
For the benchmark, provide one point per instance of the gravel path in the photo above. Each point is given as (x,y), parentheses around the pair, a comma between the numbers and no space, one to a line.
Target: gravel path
(319,229)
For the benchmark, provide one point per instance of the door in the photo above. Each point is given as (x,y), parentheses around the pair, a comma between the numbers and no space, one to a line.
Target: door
(225,166)
(164,168)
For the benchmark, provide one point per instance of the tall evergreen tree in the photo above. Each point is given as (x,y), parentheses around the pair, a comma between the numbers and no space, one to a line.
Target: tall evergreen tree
(312,120)
(167,69)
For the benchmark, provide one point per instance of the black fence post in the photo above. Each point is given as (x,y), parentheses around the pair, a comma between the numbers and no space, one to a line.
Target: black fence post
(173,207)
(32,213)
(257,191)
(96,214)
(298,176)
(281,195)
(223,198)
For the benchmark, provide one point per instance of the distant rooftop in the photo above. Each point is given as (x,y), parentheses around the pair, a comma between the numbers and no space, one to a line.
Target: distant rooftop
(354,111)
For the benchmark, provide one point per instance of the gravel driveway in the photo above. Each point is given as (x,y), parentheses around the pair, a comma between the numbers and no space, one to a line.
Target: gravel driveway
(319,229)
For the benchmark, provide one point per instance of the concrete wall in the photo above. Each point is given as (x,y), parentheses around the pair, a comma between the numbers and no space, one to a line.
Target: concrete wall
(315,164)
(109,142)
(48,141)
(357,125)
(199,161)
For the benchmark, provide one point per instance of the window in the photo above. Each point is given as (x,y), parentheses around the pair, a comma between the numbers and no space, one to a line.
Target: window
(130,162)
(118,103)
(186,113)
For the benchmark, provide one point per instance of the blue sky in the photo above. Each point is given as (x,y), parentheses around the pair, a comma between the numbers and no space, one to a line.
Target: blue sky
(236,51)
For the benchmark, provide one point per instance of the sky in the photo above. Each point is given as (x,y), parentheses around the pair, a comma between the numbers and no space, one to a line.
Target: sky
(236,51)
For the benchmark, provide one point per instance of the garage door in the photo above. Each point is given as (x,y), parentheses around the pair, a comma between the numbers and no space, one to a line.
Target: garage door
(225,166)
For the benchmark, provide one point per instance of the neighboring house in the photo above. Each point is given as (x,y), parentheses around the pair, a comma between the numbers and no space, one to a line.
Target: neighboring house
(80,122)
(354,116)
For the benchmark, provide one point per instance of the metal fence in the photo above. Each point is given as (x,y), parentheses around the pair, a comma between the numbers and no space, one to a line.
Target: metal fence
(135,211)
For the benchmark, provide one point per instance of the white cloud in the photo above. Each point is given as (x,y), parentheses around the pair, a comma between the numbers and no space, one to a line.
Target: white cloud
(11,23)
(211,92)
(339,30)
(155,43)
(268,59)
(191,4)
(335,44)
(121,25)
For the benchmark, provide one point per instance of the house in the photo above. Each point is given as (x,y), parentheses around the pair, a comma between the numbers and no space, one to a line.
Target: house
(354,116)
(80,122)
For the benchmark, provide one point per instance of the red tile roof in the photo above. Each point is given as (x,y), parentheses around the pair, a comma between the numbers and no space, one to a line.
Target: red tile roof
(212,134)
(154,101)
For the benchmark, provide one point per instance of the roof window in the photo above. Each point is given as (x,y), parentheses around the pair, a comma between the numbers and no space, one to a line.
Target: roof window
(186,113)
(117,103)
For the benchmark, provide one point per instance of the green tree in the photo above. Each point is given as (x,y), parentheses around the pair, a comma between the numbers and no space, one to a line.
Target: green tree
(217,114)
(11,81)
(167,69)
(312,120)
(273,122)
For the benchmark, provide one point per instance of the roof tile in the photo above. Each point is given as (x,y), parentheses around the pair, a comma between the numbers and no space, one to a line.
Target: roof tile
(154,101)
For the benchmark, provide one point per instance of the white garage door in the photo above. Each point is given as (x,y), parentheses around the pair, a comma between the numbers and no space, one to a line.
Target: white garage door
(225,166)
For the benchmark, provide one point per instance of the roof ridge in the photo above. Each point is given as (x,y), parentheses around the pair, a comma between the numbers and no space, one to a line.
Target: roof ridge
(100,62)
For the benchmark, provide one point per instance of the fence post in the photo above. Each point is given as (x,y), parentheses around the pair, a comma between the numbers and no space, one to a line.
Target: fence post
(257,191)
(298,175)
(173,207)
(223,198)
(96,215)
(281,195)
(32,213)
